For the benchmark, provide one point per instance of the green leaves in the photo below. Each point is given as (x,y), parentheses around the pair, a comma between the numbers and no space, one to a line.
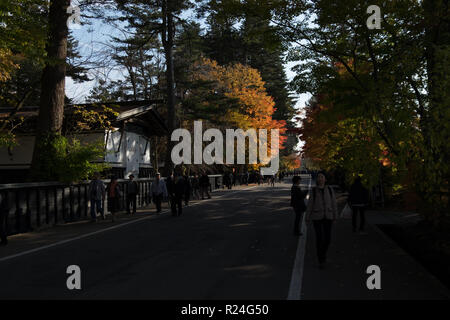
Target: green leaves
(381,95)
(69,160)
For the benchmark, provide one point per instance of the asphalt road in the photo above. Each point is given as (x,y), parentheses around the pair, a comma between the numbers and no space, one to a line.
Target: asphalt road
(238,246)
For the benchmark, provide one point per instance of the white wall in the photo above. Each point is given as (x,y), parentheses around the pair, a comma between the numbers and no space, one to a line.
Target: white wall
(132,152)
(137,153)
(115,155)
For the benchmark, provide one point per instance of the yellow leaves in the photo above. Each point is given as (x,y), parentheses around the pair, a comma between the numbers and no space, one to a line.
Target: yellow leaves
(89,119)
(7,64)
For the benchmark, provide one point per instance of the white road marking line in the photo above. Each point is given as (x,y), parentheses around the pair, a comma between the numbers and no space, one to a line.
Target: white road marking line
(295,288)
(107,229)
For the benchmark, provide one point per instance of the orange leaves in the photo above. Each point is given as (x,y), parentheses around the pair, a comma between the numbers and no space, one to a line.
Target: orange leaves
(245,84)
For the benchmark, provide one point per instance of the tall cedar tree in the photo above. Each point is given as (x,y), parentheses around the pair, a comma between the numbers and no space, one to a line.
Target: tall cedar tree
(51,109)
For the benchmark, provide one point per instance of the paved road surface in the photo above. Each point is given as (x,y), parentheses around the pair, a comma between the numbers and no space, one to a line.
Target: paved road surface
(239,245)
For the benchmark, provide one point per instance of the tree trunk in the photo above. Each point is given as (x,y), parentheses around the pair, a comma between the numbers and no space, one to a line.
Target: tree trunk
(434,126)
(51,110)
(167,37)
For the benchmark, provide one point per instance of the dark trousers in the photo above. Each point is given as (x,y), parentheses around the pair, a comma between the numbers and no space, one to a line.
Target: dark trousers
(131,200)
(362,218)
(323,237)
(298,220)
(157,201)
(176,203)
(113,204)
(96,207)
(203,190)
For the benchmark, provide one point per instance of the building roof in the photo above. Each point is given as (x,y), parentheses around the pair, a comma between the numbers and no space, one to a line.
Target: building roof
(131,113)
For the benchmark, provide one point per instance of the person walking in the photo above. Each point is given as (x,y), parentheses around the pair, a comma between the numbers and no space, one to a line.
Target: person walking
(3,219)
(358,200)
(322,210)
(96,194)
(204,186)
(195,187)
(114,194)
(188,189)
(170,182)
(132,191)
(298,203)
(158,191)
(227,180)
(178,195)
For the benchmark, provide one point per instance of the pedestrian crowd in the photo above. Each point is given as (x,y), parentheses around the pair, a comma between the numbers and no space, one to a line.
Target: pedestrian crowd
(176,190)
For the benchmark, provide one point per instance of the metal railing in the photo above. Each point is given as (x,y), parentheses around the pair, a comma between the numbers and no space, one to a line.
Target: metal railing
(30,206)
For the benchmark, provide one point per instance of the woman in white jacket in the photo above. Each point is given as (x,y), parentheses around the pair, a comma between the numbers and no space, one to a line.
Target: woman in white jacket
(322,210)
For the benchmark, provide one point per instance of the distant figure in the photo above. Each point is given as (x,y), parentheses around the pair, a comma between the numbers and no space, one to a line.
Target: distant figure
(322,210)
(204,186)
(298,203)
(272,180)
(179,190)
(358,200)
(187,191)
(195,187)
(114,194)
(170,183)
(158,191)
(132,191)
(3,217)
(227,180)
(96,194)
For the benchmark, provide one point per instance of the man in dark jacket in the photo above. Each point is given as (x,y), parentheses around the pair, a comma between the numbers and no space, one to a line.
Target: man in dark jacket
(227,180)
(204,185)
(132,191)
(358,200)
(195,187)
(187,191)
(170,183)
(178,195)
(298,203)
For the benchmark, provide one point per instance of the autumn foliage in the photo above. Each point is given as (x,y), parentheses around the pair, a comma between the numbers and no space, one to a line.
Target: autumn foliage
(242,84)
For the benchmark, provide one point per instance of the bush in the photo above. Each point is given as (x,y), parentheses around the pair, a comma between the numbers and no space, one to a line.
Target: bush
(69,161)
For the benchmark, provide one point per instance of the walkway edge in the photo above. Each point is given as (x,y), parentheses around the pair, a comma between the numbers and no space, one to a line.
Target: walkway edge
(295,288)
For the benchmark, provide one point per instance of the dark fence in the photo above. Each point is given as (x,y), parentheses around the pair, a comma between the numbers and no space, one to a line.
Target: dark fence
(30,206)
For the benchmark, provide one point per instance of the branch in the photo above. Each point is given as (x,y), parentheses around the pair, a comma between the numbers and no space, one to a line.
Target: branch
(16,109)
